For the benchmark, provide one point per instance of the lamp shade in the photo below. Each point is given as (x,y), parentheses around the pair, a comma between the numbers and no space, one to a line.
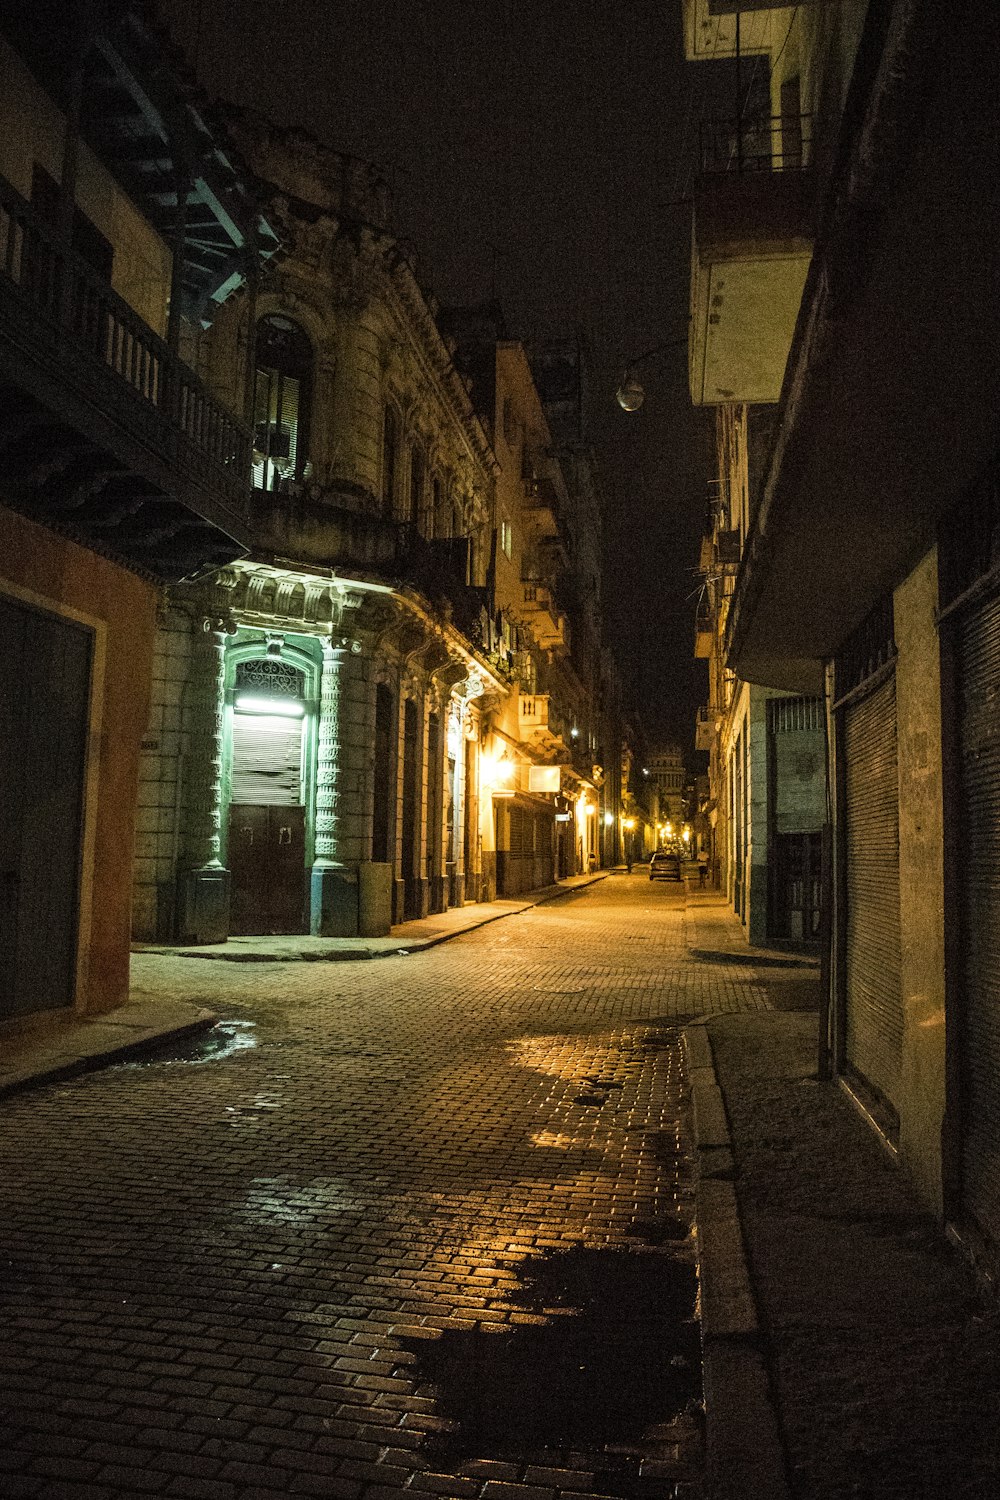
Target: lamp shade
(630,394)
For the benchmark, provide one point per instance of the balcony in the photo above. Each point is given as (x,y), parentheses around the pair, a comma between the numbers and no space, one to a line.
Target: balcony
(704,631)
(533,714)
(544,619)
(710,28)
(541,501)
(754,210)
(107,434)
(704,729)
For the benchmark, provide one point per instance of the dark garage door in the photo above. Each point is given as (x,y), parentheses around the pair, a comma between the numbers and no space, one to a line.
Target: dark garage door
(44,692)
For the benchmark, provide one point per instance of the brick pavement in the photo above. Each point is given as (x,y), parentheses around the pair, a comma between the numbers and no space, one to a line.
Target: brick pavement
(419,1224)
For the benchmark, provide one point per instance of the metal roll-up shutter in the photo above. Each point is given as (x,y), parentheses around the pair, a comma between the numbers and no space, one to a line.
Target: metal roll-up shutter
(979,731)
(874,1010)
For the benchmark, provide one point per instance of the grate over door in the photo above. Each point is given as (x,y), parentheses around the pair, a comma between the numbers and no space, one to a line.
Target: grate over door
(874,1010)
(979,731)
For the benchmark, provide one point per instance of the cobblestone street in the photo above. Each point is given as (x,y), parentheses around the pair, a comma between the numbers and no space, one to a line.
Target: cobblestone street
(421,1222)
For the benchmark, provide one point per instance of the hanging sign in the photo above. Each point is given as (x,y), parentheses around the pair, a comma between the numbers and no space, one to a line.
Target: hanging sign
(543,779)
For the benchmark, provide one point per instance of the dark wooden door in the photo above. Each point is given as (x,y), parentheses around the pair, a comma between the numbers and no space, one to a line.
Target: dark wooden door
(44,695)
(267,868)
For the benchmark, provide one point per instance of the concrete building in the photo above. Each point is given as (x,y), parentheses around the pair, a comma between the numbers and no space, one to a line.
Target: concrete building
(666,782)
(756,195)
(336,686)
(547,818)
(869,574)
(123,222)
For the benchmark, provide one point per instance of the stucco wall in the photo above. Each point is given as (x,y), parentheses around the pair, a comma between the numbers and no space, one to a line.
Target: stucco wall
(31,130)
(921,876)
(157,825)
(57,574)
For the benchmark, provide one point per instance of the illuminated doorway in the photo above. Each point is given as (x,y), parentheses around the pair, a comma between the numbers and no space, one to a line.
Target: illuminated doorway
(267,825)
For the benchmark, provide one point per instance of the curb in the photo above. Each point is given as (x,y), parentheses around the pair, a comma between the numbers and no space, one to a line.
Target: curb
(204,1020)
(93,1062)
(745,1454)
(758,960)
(354,955)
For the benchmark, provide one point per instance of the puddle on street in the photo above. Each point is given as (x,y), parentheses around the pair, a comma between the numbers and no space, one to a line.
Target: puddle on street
(223,1040)
(620,1356)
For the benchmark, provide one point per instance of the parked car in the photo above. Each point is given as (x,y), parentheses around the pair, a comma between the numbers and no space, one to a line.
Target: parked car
(665,865)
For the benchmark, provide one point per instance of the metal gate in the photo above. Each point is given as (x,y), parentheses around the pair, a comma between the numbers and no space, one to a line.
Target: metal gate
(978,652)
(44,697)
(874,1009)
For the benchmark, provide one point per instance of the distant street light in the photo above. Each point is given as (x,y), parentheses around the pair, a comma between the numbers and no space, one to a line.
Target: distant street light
(630,394)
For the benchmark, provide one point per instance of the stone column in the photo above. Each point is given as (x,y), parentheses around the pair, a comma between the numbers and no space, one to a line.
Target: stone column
(421,840)
(342,815)
(203,882)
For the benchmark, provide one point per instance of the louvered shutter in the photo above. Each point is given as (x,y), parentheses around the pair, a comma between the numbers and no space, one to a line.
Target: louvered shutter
(979,729)
(874,1011)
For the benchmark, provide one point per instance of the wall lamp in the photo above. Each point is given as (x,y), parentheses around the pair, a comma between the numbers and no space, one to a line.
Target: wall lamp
(630,394)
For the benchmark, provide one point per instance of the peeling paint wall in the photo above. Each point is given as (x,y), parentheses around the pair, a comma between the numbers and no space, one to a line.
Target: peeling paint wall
(921,876)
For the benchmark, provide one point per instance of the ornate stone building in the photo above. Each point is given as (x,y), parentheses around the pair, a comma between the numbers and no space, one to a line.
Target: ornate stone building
(547,805)
(312,762)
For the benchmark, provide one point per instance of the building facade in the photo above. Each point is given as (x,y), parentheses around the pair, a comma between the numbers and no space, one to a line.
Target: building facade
(666,781)
(123,471)
(869,576)
(337,687)
(756,202)
(548,729)
(767,760)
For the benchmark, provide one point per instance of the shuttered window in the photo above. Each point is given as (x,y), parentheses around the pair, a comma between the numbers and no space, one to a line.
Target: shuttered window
(874,1013)
(978,641)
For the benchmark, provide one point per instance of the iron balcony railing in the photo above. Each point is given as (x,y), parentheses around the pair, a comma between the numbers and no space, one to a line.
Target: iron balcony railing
(781,143)
(87,319)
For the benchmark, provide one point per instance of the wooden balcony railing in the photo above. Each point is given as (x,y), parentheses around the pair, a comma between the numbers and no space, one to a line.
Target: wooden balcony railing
(88,326)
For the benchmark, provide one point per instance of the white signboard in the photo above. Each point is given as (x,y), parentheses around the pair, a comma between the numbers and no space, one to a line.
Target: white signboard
(543,778)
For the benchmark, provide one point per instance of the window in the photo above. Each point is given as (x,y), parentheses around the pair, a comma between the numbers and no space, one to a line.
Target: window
(390,452)
(436,527)
(506,538)
(281,403)
(418,484)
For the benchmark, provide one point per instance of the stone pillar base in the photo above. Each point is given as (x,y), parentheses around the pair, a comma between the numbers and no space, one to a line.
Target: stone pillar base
(202,906)
(456,888)
(333,902)
(422,898)
(398,901)
(374,899)
(439,893)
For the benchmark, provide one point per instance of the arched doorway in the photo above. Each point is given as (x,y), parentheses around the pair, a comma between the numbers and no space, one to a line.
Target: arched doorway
(266,812)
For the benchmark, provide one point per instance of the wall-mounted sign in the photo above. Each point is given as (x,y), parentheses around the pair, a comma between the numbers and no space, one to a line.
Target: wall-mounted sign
(563,817)
(543,779)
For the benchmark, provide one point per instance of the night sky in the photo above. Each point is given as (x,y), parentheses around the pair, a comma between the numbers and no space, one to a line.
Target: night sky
(544,142)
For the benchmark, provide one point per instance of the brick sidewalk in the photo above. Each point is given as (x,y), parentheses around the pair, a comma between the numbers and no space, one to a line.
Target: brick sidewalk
(418,1224)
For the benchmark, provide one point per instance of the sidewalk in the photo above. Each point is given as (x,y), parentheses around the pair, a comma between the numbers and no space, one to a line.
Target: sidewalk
(407,937)
(846,1353)
(78,1045)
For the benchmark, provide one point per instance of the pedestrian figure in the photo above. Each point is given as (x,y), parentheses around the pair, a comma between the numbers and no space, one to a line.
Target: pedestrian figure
(702,866)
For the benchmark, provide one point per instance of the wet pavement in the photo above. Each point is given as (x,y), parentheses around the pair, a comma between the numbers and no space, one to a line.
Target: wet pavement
(419,1224)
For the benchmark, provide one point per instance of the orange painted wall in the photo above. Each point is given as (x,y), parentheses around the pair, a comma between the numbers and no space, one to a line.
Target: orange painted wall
(62,573)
